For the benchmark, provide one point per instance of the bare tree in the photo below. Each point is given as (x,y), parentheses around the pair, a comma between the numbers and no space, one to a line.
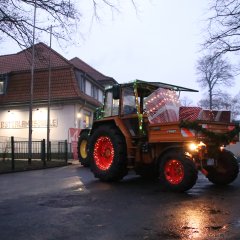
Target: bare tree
(214,72)
(224,101)
(16,18)
(236,107)
(224,26)
(220,101)
(186,101)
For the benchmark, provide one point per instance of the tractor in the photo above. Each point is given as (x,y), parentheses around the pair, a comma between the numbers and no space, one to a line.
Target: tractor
(143,127)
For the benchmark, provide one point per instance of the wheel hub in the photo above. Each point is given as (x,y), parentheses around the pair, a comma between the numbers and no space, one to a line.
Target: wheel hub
(83,149)
(103,153)
(174,171)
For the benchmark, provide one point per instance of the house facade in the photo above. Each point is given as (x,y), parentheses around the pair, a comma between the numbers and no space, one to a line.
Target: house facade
(76,90)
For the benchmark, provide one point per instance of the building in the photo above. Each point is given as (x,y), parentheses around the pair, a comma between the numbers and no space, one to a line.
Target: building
(76,91)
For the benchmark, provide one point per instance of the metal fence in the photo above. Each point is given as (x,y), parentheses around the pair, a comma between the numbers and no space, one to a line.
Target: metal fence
(12,149)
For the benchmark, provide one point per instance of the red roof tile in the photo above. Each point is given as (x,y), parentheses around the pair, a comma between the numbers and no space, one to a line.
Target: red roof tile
(22,61)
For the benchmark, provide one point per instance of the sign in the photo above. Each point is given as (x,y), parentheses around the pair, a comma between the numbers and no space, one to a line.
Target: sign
(74,133)
(18,124)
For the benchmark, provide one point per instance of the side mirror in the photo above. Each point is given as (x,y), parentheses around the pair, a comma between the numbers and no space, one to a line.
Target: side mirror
(116,91)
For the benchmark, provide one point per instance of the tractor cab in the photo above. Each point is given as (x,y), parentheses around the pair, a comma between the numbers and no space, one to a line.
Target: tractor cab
(128,102)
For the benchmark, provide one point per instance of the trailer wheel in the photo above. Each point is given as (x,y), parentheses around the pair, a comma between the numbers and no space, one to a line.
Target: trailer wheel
(107,151)
(226,171)
(83,149)
(177,172)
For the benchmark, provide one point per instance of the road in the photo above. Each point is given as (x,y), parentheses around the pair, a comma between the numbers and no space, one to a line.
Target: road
(69,203)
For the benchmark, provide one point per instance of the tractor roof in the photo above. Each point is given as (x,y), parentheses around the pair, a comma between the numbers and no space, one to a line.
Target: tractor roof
(155,85)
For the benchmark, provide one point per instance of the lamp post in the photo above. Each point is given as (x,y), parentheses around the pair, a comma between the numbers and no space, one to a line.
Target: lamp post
(49,96)
(31,88)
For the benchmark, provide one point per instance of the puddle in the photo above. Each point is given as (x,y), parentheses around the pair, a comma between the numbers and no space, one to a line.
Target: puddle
(217,228)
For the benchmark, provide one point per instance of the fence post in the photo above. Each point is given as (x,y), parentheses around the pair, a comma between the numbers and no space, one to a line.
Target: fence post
(49,151)
(12,148)
(66,150)
(43,152)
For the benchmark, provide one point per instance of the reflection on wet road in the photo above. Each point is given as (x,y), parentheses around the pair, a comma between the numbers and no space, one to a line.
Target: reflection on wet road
(69,203)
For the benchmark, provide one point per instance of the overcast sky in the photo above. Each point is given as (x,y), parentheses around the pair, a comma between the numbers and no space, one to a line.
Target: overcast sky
(159,42)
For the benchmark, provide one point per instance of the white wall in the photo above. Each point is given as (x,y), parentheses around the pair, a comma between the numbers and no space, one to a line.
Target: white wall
(15,122)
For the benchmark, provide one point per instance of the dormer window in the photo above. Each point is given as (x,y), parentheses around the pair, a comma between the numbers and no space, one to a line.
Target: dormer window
(3,84)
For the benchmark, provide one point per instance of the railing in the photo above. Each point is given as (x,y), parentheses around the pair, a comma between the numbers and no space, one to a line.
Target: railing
(12,152)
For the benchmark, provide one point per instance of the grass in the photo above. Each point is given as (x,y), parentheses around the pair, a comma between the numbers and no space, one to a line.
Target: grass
(22,165)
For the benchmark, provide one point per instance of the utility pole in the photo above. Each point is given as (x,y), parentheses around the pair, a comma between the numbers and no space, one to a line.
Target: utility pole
(31,89)
(49,97)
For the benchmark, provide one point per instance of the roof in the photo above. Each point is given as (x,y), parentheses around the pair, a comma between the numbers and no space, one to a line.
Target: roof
(18,69)
(21,61)
(93,73)
(155,85)
(64,88)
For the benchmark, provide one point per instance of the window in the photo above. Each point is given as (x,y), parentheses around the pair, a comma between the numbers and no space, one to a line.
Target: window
(108,104)
(111,106)
(3,83)
(1,86)
(88,88)
(81,81)
(94,92)
(129,101)
(100,95)
(87,119)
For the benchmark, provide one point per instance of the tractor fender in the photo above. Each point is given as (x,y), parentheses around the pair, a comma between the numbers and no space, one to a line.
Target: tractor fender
(87,130)
(166,150)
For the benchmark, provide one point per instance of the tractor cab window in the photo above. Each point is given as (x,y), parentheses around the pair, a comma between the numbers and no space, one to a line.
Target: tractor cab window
(111,106)
(129,101)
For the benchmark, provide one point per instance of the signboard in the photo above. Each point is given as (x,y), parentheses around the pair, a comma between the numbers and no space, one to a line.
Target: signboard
(74,133)
(18,124)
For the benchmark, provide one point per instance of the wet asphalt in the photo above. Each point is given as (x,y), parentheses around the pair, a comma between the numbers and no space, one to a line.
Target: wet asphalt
(69,203)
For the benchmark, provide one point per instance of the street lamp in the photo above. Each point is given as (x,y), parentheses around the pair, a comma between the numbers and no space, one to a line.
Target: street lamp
(31,89)
(49,97)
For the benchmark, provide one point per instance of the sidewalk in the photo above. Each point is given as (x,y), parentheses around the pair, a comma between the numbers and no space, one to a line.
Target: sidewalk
(73,161)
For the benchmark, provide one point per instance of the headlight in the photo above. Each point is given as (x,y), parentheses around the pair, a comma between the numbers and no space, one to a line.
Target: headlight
(194,147)
(222,148)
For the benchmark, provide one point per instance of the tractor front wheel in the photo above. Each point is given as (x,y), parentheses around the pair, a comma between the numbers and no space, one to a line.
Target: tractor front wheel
(226,169)
(107,151)
(177,172)
(83,149)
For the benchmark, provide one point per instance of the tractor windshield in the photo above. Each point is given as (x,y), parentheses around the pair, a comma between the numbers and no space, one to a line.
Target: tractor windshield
(129,101)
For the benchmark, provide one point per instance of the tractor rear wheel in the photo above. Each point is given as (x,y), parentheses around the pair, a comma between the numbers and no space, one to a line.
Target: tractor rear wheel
(107,151)
(177,172)
(83,149)
(226,171)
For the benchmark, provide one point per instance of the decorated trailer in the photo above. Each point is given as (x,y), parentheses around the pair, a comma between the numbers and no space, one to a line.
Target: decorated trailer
(142,126)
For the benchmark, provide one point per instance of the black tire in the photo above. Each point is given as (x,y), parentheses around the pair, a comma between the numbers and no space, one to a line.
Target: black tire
(226,171)
(83,148)
(107,151)
(177,172)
